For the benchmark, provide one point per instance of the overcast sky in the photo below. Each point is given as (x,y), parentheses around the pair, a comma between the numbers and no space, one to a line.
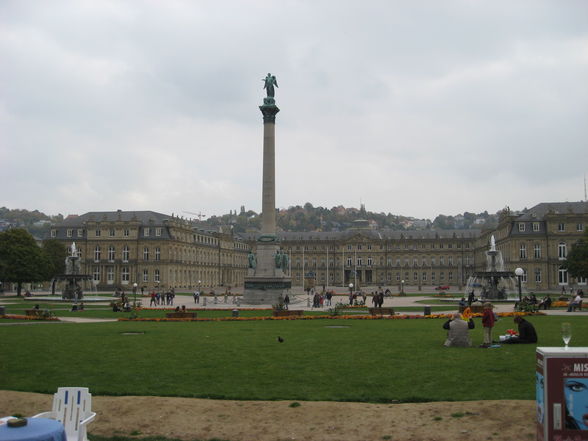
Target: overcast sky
(416,108)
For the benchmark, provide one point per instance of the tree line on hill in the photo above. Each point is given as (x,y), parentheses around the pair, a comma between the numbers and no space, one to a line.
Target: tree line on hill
(310,218)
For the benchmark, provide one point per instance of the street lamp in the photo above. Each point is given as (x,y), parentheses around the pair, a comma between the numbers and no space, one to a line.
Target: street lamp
(402,287)
(135,294)
(351,289)
(519,273)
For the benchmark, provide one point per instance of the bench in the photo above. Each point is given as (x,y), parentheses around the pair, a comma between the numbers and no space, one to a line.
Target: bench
(576,306)
(180,315)
(287,313)
(476,309)
(381,311)
(33,312)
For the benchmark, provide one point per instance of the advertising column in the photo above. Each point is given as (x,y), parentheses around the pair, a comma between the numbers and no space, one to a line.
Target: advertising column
(562,394)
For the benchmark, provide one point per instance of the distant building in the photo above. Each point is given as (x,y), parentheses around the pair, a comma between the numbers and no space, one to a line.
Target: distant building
(154,250)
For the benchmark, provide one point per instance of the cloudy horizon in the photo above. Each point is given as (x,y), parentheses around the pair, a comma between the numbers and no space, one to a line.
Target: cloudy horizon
(413,108)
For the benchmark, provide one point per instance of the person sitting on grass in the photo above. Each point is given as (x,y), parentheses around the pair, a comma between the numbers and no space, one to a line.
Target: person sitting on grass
(458,334)
(527,333)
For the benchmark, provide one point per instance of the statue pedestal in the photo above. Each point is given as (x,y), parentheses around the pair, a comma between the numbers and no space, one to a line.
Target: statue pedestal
(266,284)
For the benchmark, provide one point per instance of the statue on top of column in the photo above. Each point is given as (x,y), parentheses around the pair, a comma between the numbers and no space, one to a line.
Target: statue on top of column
(269,83)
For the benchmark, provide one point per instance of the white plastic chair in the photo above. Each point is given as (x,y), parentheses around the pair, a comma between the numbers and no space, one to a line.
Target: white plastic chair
(72,407)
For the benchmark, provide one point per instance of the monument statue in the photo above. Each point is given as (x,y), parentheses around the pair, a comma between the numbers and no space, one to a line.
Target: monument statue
(269,83)
(252,260)
(278,259)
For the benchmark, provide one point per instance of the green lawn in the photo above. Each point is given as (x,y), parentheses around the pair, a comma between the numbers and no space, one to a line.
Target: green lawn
(371,360)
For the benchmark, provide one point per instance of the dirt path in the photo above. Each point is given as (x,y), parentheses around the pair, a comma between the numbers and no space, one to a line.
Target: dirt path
(188,418)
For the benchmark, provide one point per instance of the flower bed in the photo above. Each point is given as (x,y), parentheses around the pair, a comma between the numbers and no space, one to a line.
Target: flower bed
(208,309)
(28,317)
(319,317)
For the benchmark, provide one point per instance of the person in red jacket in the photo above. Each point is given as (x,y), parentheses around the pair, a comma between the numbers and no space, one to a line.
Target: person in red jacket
(488,324)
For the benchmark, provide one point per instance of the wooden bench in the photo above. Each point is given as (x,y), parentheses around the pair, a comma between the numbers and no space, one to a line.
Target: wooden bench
(381,311)
(33,312)
(476,309)
(180,315)
(577,307)
(287,313)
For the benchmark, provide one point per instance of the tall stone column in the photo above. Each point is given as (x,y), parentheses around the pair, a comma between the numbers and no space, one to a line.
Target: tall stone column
(268,217)
(266,282)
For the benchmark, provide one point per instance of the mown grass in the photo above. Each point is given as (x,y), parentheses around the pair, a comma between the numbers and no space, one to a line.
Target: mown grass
(371,360)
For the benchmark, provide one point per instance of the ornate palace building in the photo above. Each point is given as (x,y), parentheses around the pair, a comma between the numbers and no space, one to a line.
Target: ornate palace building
(538,242)
(155,250)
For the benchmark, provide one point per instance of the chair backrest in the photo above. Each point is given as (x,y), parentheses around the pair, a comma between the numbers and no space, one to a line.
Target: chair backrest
(70,406)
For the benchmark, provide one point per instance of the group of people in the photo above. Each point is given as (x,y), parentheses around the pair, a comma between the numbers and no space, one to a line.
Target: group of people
(157,298)
(458,329)
(321,299)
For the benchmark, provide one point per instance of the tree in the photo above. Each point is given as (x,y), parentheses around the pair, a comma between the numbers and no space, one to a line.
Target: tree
(56,252)
(577,260)
(21,259)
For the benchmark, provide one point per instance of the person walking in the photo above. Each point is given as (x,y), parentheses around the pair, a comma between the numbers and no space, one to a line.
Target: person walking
(487,323)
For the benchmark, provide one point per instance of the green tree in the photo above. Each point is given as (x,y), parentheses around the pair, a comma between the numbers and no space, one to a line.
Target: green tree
(577,260)
(56,252)
(21,259)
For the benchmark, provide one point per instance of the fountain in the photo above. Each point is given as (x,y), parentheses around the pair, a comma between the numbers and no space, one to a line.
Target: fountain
(72,289)
(495,283)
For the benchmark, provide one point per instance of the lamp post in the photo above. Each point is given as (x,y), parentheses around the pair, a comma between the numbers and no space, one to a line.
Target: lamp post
(135,294)
(402,287)
(519,273)
(351,293)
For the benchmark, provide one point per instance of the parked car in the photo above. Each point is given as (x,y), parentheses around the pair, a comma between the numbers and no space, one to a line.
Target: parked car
(442,288)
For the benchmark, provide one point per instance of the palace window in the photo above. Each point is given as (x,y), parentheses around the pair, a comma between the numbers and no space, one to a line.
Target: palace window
(80,232)
(358,247)
(146,253)
(415,262)
(145,275)
(535,226)
(397,262)
(424,277)
(124,276)
(523,251)
(111,232)
(441,261)
(158,231)
(369,247)
(433,277)
(442,275)
(126,232)
(537,275)
(562,276)
(359,261)
(521,227)
(69,232)
(369,261)
(581,280)
(398,277)
(110,275)
(389,277)
(111,253)
(125,253)
(156,276)
(433,263)
(157,253)
(53,233)
(524,276)
(97,233)
(450,261)
(537,251)
(349,247)
(424,262)
(415,276)
(579,227)
(349,263)
(146,231)
(97,253)
(562,251)
(96,274)
(450,275)
(561,227)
